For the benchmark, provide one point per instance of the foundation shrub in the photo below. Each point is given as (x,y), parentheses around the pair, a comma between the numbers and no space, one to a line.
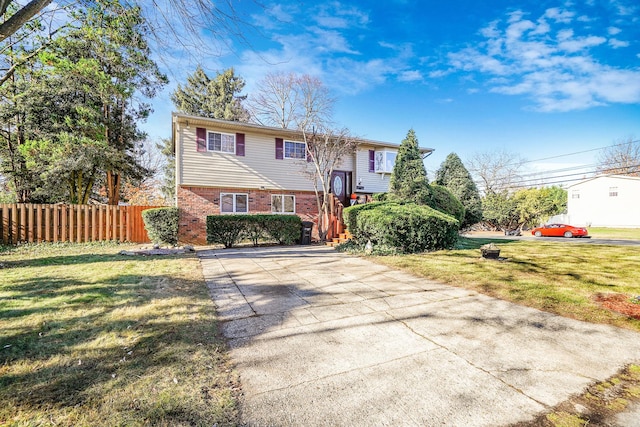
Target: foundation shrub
(405,228)
(229,230)
(285,229)
(162,224)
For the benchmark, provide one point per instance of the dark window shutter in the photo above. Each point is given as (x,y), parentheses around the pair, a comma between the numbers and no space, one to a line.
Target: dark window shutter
(372,161)
(240,144)
(279,148)
(308,153)
(201,139)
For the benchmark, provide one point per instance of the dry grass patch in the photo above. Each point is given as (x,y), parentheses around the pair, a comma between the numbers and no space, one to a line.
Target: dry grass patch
(614,233)
(597,405)
(561,278)
(89,337)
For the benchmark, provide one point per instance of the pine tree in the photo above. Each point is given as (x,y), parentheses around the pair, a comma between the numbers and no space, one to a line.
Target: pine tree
(409,178)
(453,175)
(216,98)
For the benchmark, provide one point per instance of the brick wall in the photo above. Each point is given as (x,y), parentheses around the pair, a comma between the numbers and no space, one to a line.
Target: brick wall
(196,203)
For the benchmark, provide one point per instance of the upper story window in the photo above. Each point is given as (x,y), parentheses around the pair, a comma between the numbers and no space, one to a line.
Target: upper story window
(613,191)
(384,161)
(283,203)
(234,203)
(222,142)
(295,150)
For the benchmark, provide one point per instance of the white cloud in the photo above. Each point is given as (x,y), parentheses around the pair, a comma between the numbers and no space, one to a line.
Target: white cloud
(558,15)
(410,76)
(613,31)
(331,42)
(580,43)
(519,58)
(615,43)
(338,16)
(322,39)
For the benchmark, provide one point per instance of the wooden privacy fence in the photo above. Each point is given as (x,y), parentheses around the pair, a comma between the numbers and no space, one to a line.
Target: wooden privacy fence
(71,223)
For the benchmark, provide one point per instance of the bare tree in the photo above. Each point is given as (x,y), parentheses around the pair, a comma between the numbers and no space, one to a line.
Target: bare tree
(275,101)
(326,148)
(303,102)
(289,101)
(496,171)
(622,158)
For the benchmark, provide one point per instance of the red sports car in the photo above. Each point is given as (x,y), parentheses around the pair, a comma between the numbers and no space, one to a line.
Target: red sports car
(560,230)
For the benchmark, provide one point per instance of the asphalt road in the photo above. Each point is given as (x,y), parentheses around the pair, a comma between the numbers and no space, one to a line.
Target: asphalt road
(573,240)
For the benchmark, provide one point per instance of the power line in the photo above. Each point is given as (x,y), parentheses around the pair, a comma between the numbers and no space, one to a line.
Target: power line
(581,152)
(542,181)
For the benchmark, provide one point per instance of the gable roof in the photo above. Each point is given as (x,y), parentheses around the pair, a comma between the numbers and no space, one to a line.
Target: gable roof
(613,176)
(235,126)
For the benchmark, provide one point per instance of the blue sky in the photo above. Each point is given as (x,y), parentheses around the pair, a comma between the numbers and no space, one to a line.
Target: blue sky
(538,78)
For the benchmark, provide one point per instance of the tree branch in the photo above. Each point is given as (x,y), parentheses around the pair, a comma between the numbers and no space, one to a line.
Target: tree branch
(16,21)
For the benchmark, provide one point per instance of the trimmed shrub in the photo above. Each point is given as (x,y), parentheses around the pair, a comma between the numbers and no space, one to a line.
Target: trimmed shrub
(231,229)
(162,224)
(285,229)
(405,228)
(349,214)
(380,197)
(225,229)
(443,200)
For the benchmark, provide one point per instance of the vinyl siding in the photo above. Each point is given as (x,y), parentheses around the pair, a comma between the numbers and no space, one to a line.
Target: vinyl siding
(596,208)
(371,181)
(258,168)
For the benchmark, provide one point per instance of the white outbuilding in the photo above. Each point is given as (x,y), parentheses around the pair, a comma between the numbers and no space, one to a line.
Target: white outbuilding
(605,201)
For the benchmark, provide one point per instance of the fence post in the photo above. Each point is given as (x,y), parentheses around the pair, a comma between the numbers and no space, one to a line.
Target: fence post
(5,223)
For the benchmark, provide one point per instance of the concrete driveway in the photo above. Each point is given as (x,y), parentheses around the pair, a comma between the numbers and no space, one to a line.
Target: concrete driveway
(322,338)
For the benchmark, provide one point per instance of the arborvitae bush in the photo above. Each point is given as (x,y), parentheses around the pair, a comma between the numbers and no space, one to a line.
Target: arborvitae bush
(443,200)
(162,224)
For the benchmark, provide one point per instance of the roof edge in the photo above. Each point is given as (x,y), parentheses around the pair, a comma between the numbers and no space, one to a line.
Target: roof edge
(234,125)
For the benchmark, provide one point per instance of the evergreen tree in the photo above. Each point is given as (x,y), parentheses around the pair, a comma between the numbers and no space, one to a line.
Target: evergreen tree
(409,178)
(168,188)
(453,175)
(216,98)
(75,123)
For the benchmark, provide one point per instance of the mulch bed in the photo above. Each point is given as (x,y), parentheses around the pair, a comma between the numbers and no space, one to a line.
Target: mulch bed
(620,303)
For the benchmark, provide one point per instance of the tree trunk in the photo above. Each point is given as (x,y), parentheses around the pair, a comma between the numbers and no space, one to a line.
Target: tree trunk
(113,187)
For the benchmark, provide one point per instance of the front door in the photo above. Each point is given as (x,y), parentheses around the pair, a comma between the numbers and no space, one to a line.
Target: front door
(340,186)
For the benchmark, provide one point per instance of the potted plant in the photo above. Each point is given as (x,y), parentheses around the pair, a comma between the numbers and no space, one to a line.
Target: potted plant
(490,250)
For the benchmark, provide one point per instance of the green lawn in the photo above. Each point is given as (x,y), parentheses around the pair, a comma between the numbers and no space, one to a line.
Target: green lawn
(614,233)
(561,278)
(92,338)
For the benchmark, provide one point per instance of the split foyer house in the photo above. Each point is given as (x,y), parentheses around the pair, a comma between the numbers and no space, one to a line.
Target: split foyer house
(605,201)
(226,167)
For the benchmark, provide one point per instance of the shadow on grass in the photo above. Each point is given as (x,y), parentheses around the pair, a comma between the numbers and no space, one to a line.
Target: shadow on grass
(82,259)
(476,242)
(67,345)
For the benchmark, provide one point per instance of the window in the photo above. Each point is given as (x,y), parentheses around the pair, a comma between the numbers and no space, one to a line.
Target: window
(222,142)
(384,161)
(282,203)
(613,191)
(575,194)
(234,203)
(295,150)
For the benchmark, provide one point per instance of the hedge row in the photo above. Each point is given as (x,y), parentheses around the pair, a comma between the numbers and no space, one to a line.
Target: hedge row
(404,228)
(231,229)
